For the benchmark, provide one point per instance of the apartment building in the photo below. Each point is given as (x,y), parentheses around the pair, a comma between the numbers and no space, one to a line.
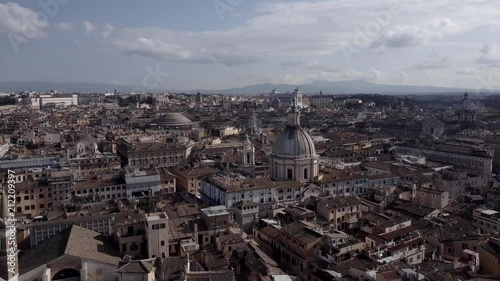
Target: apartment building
(216,220)
(142,183)
(32,198)
(129,232)
(339,246)
(486,220)
(396,242)
(156,225)
(188,179)
(61,183)
(462,157)
(298,244)
(99,190)
(341,212)
(341,183)
(147,154)
(230,188)
(432,198)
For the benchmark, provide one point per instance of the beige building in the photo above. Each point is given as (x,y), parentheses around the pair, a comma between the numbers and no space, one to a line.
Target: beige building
(341,212)
(156,225)
(32,198)
(129,233)
(432,198)
(145,155)
(216,220)
(99,190)
(61,184)
(489,256)
(486,220)
(395,242)
(298,243)
(189,179)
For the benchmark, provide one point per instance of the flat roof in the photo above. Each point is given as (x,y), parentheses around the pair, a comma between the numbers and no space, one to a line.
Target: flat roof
(156,216)
(215,211)
(489,212)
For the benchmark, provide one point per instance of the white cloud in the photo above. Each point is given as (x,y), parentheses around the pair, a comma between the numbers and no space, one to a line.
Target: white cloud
(314,65)
(173,52)
(432,62)
(65,26)
(302,29)
(489,56)
(89,27)
(107,29)
(21,21)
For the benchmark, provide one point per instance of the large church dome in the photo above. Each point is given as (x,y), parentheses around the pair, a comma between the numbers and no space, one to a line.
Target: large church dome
(294,156)
(171,120)
(295,142)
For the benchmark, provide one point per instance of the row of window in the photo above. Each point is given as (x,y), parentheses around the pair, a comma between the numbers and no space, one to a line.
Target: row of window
(156,161)
(102,189)
(493,226)
(158,226)
(29,207)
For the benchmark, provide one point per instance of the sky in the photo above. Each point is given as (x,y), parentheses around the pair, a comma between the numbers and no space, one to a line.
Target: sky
(221,44)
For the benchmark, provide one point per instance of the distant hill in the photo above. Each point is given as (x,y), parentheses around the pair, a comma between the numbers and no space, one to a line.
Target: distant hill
(339,87)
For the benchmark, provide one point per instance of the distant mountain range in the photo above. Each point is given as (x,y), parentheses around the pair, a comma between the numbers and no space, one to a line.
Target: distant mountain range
(340,87)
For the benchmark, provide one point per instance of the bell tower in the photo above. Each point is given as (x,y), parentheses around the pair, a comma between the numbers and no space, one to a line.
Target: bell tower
(247,157)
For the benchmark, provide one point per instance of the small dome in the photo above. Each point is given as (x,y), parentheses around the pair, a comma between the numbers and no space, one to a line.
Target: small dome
(294,141)
(173,119)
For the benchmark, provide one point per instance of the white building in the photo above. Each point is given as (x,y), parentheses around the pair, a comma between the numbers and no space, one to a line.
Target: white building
(38,101)
(157,234)
(486,220)
(286,99)
(142,183)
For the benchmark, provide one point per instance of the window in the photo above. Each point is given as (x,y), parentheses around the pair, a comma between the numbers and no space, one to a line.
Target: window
(162,243)
(289,173)
(306,175)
